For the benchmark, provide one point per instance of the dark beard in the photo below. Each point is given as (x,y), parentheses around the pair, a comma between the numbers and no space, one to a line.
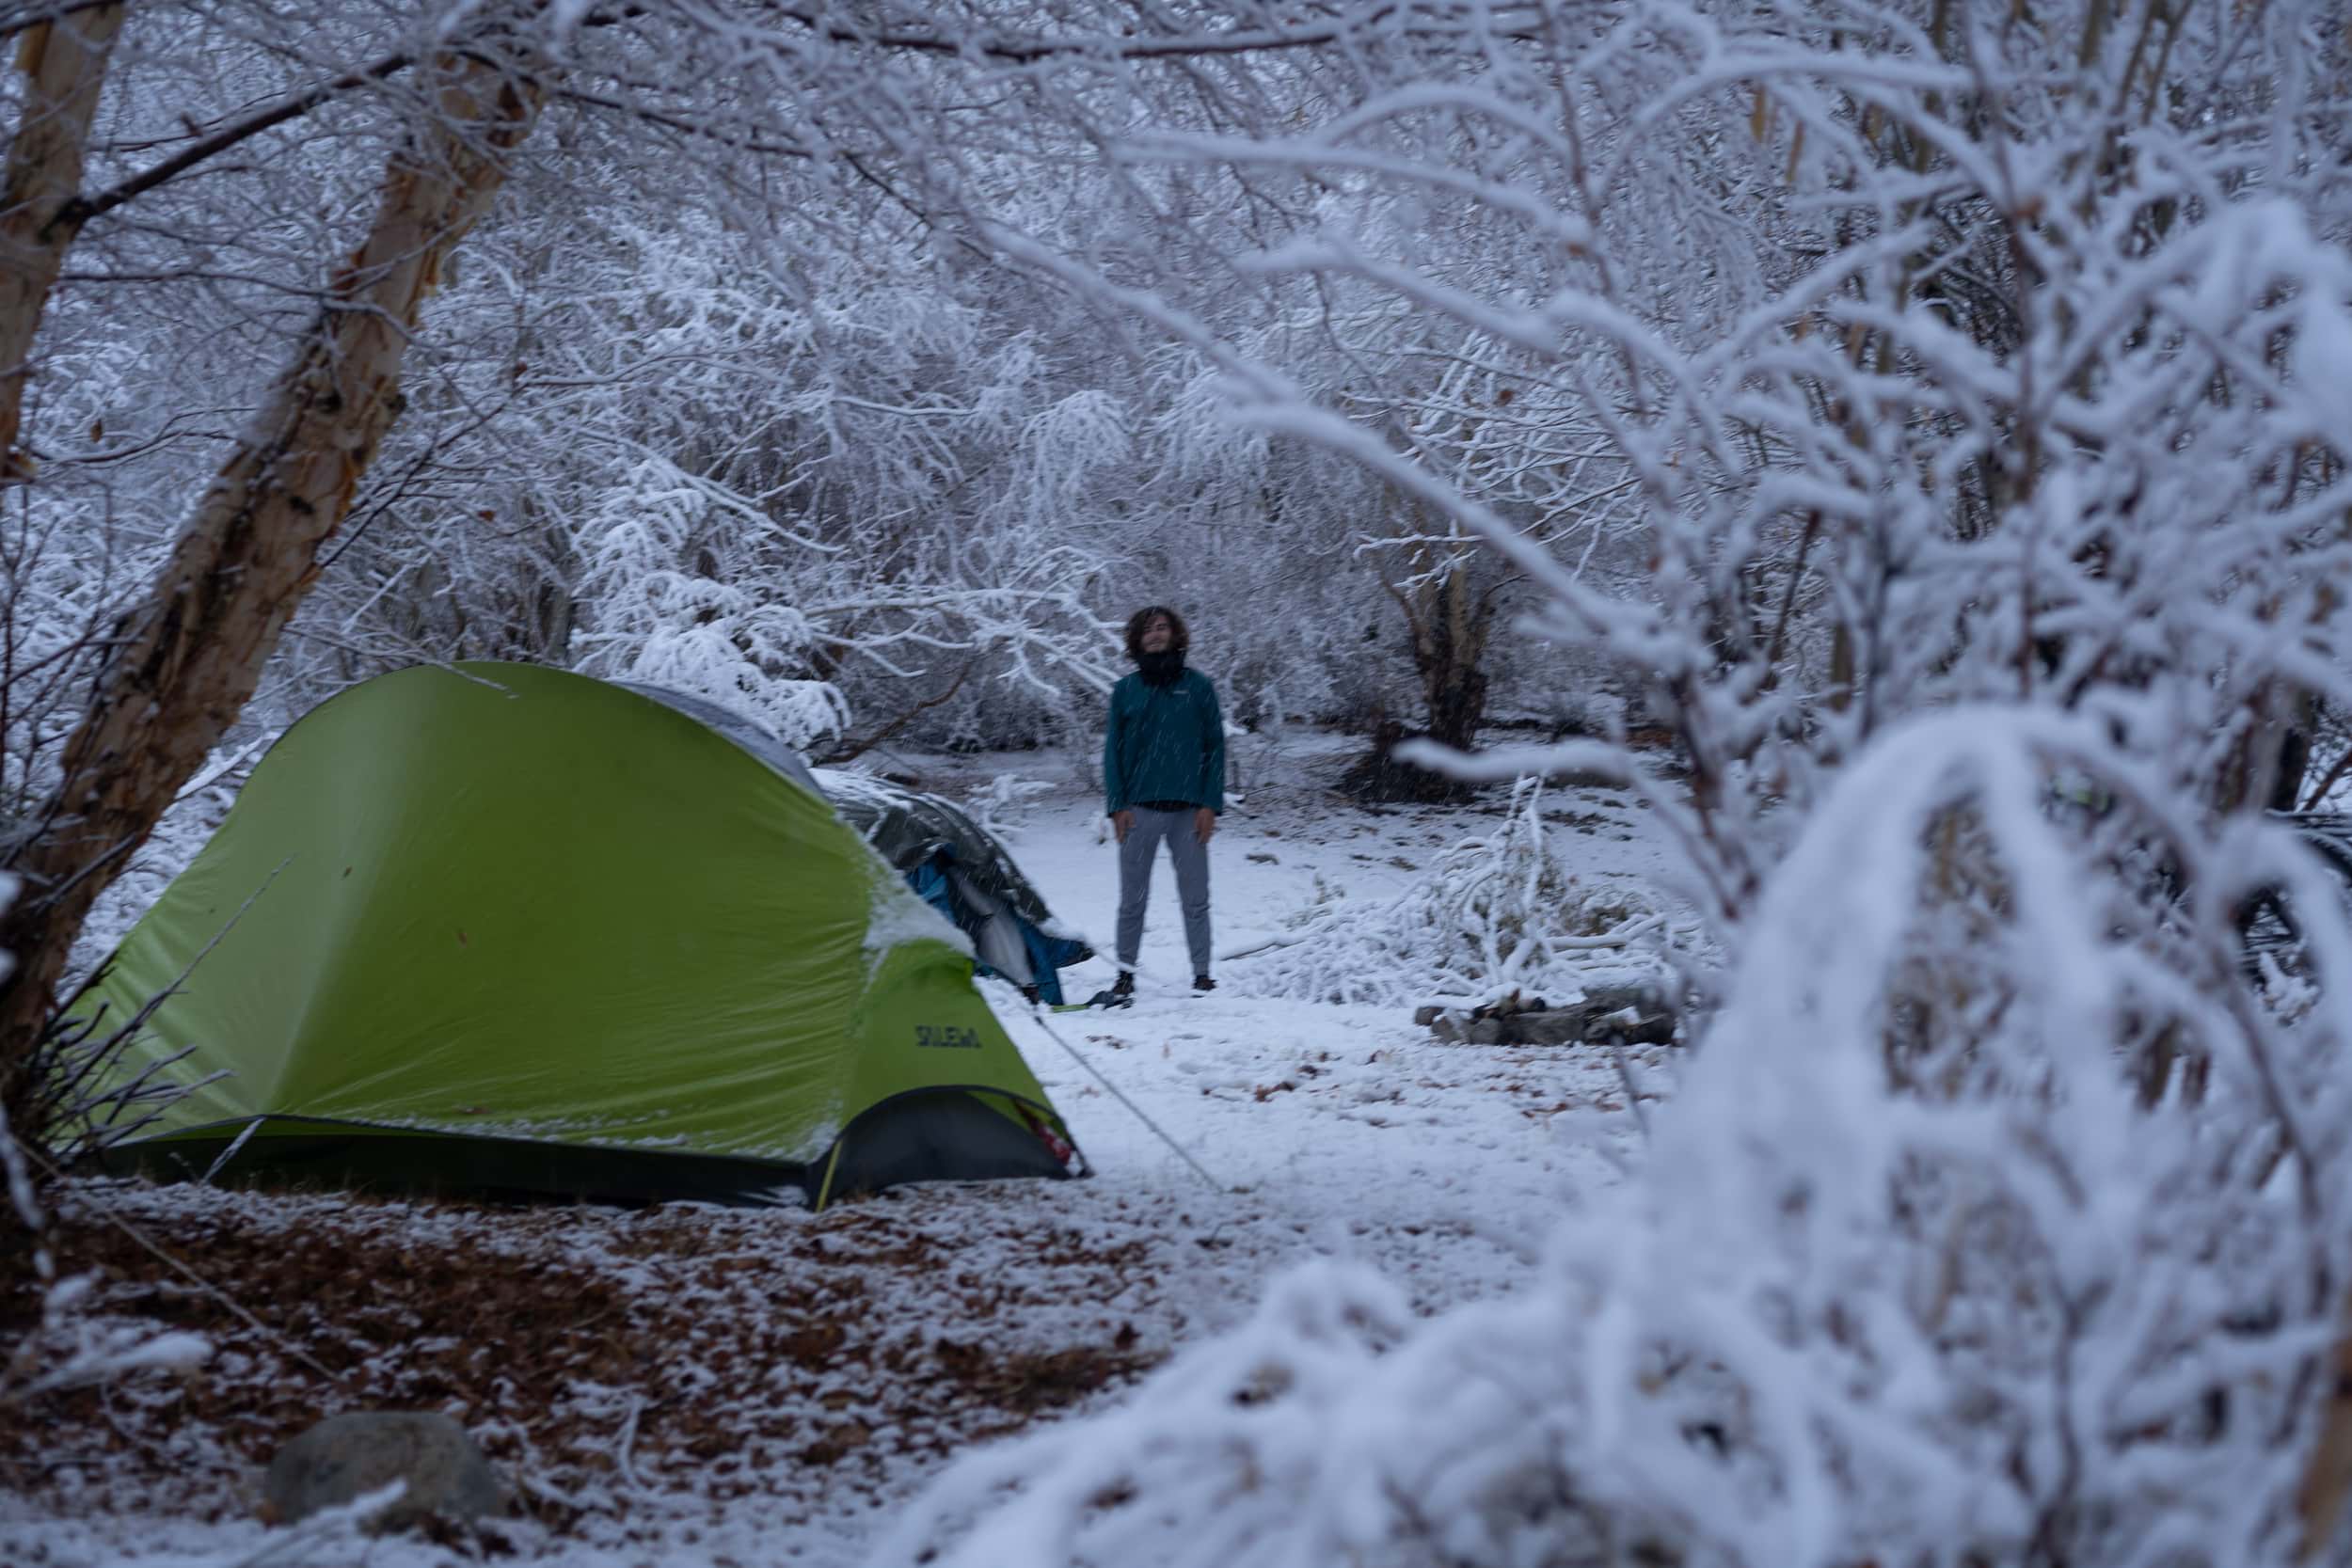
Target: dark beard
(1163,669)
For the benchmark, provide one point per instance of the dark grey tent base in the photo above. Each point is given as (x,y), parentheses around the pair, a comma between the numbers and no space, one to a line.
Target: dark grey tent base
(453,1166)
(929,1136)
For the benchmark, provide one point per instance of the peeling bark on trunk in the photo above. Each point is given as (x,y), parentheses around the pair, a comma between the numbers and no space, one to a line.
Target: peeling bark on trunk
(185,662)
(64,65)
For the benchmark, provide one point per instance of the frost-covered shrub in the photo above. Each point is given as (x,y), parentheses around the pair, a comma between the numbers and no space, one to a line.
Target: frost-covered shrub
(2013,1316)
(676,605)
(77,1343)
(1500,917)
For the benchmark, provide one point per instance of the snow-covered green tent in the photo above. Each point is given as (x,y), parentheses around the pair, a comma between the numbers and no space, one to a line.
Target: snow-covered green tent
(497,927)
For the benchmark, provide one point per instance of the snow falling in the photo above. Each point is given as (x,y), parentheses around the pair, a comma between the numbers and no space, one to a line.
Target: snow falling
(1806,539)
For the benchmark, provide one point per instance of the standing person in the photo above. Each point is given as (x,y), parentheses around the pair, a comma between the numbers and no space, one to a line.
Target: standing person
(1163,779)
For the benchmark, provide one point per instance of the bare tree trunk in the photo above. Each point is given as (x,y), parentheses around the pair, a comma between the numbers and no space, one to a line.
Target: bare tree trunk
(2327,1476)
(2268,761)
(1449,651)
(184,663)
(1447,621)
(1842,666)
(64,64)
(2295,754)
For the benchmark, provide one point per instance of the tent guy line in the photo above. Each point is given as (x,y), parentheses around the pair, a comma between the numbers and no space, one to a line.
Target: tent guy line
(1037,1014)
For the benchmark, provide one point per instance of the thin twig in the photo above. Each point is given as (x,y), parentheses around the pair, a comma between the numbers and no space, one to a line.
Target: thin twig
(188,1273)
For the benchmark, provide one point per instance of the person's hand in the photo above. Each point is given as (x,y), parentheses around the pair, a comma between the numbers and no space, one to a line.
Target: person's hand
(1203,824)
(1122,823)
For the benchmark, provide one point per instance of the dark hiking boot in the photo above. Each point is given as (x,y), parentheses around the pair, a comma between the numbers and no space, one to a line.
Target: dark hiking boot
(1125,985)
(1202,982)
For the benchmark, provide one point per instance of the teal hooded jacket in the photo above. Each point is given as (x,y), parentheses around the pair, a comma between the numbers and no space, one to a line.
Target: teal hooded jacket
(1164,743)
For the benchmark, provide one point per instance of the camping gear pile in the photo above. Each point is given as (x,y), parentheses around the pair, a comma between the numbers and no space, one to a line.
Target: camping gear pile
(964,872)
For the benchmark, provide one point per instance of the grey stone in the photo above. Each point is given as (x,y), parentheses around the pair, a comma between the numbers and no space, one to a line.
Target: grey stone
(345,1457)
(1560,1026)
(1469,1031)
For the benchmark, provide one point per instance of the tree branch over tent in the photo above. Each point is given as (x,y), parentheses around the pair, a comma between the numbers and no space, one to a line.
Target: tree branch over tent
(184,662)
(82,208)
(850,750)
(1388,20)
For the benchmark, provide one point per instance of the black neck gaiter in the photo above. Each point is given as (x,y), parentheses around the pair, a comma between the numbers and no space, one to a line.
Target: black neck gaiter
(1163,669)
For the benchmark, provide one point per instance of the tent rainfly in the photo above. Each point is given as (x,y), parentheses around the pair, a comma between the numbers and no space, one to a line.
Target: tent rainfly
(501,929)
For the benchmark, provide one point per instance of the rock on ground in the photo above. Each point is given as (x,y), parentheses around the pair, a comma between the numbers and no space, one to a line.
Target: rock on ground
(345,1457)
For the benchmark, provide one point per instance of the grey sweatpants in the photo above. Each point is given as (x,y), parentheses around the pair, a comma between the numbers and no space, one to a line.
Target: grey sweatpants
(1134,881)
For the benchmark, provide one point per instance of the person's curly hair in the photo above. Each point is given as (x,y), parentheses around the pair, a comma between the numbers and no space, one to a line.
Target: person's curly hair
(1181,643)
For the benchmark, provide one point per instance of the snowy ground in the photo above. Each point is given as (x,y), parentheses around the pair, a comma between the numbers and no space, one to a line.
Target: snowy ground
(781,1378)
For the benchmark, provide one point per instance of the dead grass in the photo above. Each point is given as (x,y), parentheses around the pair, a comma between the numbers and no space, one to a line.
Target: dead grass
(751,1346)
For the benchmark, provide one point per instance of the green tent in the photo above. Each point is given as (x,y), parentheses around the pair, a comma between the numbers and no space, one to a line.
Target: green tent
(503,928)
